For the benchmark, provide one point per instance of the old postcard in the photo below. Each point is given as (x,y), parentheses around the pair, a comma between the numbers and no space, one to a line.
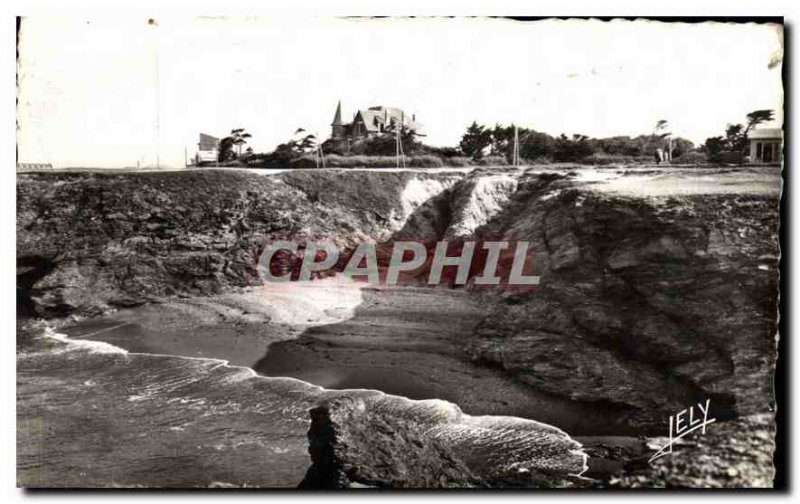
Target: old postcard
(398,253)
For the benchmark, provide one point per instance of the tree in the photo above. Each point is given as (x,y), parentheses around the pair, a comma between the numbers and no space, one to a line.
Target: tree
(681,146)
(621,145)
(533,145)
(735,137)
(755,118)
(237,138)
(736,134)
(502,140)
(385,144)
(659,133)
(226,152)
(572,149)
(714,147)
(300,144)
(661,126)
(475,140)
(408,137)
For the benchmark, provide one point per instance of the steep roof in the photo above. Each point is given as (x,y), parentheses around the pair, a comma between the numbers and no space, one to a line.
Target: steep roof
(337,118)
(765,133)
(375,116)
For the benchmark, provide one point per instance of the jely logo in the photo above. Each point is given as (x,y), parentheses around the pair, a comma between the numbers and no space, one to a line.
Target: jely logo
(685,422)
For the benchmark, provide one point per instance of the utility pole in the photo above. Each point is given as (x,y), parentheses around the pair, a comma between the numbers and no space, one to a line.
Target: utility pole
(158,99)
(399,149)
(320,157)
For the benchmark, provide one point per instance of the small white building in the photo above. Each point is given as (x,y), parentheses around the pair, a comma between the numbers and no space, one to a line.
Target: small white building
(766,145)
(207,149)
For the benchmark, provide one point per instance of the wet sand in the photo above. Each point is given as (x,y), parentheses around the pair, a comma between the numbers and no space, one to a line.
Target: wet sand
(236,327)
(410,341)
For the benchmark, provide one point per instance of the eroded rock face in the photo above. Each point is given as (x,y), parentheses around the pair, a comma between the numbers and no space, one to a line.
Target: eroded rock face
(391,442)
(350,447)
(476,200)
(87,242)
(735,454)
(648,303)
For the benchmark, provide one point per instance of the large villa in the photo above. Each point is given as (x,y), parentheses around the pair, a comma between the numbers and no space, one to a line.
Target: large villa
(371,122)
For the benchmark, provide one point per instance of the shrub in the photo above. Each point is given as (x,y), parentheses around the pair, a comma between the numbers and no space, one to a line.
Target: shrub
(730,157)
(442,152)
(537,161)
(383,145)
(426,161)
(457,161)
(492,161)
(601,159)
(690,158)
(361,161)
(336,161)
(305,161)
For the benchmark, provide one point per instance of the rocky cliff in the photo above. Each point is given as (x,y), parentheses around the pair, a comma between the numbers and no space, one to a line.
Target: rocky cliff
(90,242)
(658,289)
(735,454)
(648,303)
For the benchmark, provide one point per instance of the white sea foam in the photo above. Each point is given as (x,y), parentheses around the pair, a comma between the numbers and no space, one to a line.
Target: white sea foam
(510,442)
(98,347)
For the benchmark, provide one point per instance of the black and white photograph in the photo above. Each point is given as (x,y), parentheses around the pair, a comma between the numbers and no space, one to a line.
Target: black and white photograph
(400,253)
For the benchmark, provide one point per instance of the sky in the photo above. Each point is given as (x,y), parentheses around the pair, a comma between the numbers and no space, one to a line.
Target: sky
(117,92)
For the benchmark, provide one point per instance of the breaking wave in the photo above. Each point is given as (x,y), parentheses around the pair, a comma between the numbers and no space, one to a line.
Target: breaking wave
(124,418)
